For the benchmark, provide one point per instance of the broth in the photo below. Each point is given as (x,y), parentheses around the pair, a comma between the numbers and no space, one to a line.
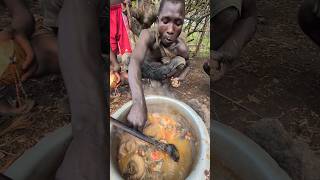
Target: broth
(140,160)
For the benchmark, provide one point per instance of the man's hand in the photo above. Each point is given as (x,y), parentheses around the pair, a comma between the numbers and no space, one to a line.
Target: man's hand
(137,116)
(220,61)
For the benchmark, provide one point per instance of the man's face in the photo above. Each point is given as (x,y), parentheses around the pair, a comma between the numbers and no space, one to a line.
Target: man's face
(170,22)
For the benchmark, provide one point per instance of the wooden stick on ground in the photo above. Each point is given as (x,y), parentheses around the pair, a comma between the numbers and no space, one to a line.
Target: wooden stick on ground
(238,104)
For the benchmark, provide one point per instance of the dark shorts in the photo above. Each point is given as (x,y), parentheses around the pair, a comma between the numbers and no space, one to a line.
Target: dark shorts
(159,71)
(220,5)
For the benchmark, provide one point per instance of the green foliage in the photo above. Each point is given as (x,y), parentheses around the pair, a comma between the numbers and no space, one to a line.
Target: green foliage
(193,40)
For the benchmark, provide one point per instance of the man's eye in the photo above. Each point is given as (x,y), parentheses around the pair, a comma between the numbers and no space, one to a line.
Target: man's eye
(179,23)
(165,20)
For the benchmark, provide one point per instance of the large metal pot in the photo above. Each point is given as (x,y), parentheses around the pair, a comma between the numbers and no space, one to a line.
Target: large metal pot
(244,158)
(201,161)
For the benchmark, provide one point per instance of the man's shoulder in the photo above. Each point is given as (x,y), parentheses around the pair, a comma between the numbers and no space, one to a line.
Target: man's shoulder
(145,32)
(182,46)
(148,36)
(152,31)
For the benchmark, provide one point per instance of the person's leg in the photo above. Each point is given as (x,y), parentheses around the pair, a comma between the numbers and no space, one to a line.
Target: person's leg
(222,25)
(45,46)
(82,69)
(309,19)
(159,71)
(44,40)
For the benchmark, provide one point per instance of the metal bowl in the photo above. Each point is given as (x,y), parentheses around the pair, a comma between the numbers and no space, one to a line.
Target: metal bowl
(242,157)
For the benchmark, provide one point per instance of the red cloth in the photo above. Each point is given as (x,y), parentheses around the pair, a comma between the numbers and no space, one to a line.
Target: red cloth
(119,39)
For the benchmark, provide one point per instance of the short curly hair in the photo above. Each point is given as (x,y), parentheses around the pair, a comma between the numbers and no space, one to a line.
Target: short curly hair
(162,2)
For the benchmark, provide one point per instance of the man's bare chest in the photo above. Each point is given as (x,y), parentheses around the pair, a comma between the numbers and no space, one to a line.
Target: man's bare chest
(159,53)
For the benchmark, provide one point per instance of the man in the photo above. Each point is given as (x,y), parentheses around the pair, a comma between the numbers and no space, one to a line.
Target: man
(159,54)
(81,65)
(309,19)
(233,26)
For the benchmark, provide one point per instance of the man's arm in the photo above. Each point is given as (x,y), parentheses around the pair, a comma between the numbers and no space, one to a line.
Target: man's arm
(82,69)
(138,112)
(243,31)
(184,52)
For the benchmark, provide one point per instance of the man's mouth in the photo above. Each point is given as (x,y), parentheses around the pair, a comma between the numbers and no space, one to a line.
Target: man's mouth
(169,40)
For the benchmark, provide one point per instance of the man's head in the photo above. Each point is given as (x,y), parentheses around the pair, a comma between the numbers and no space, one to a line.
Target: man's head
(170,20)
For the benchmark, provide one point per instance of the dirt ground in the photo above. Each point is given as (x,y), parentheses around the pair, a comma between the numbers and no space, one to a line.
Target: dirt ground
(51,111)
(276,76)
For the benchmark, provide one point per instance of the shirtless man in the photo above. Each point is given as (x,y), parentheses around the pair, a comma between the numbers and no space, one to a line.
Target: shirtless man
(309,19)
(233,24)
(159,54)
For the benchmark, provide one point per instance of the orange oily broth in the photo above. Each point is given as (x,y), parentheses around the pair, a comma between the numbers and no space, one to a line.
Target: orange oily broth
(165,128)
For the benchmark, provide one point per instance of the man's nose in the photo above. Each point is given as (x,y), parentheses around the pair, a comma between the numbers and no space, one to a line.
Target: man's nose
(170,30)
